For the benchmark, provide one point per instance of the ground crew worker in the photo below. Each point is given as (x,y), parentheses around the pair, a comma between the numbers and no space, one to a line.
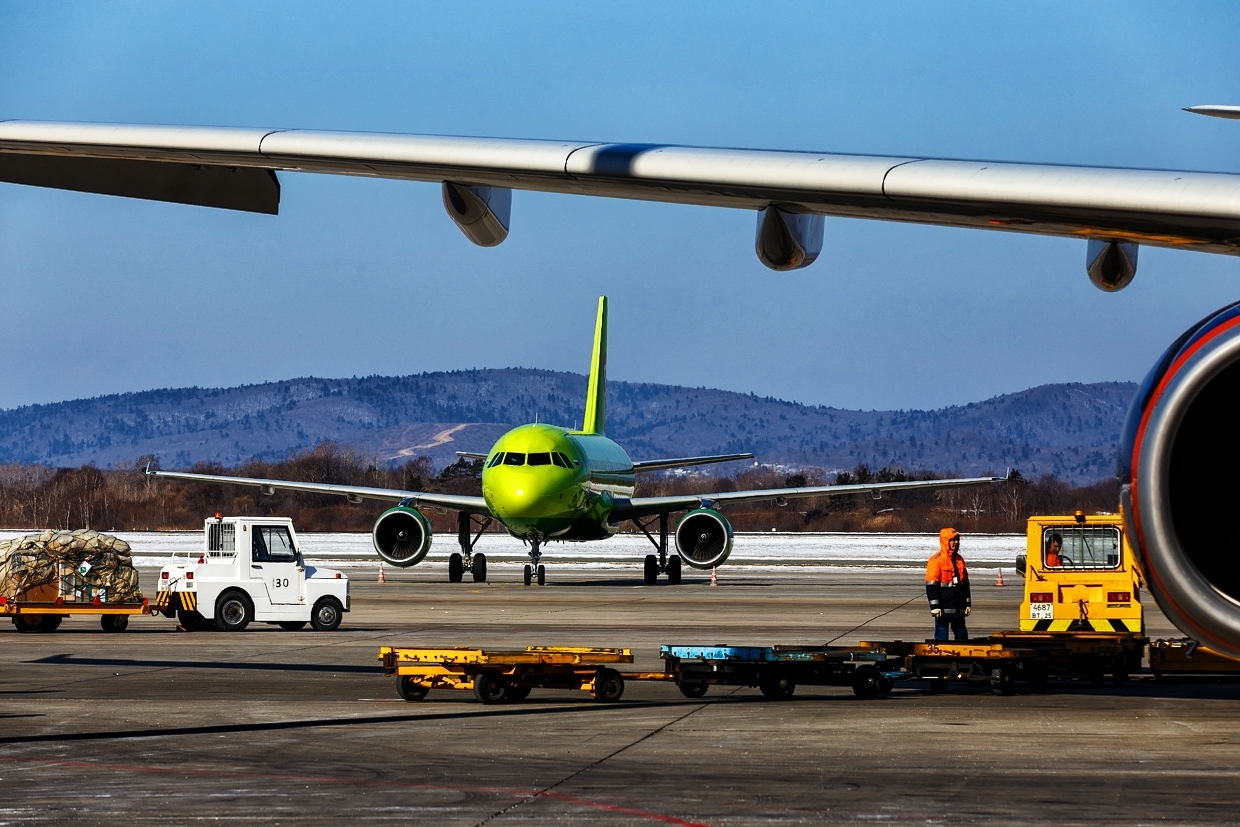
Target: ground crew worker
(947,587)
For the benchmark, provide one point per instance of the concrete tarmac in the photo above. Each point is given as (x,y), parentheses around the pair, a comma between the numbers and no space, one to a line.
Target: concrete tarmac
(158,727)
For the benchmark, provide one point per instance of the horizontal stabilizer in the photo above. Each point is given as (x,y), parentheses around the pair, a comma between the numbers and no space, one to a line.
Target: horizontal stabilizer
(663,464)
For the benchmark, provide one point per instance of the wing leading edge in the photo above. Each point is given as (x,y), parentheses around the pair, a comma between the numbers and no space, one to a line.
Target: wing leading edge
(354,493)
(232,168)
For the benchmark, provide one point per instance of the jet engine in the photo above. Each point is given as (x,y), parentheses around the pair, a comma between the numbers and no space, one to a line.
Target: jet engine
(704,538)
(482,213)
(788,241)
(402,536)
(1179,457)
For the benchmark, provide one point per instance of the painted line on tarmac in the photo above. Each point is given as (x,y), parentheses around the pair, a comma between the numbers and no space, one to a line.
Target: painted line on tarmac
(363,782)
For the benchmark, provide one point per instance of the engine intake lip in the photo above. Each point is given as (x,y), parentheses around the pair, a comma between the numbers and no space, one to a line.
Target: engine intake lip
(1190,599)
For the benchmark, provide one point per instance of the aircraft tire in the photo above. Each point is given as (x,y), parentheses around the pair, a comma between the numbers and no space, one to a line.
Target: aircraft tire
(456,568)
(529,574)
(542,575)
(651,571)
(673,570)
(480,568)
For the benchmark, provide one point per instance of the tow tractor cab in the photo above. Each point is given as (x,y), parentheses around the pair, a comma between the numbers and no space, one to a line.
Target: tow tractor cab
(1080,576)
(251,569)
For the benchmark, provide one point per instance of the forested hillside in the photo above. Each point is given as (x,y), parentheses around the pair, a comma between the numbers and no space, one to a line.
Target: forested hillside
(1069,430)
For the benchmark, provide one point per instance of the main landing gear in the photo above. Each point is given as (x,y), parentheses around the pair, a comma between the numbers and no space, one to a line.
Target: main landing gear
(466,560)
(534,568)
(662,563)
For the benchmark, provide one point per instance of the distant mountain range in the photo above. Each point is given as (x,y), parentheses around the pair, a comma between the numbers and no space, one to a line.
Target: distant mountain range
(1070,430)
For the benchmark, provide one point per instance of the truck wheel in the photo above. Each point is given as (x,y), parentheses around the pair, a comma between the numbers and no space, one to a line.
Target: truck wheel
(292,625)
(233,611)
(456,567)
(867,683)
(326,615)
(480,568)
(411,690)
(490,687)
(777,688)
(114,623)
(608,686)
(650,572)
(694,690)
(673,570)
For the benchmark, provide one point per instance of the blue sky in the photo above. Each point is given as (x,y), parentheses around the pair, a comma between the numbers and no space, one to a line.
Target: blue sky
(358,277)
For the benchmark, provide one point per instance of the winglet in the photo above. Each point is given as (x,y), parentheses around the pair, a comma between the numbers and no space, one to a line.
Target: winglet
(596,393)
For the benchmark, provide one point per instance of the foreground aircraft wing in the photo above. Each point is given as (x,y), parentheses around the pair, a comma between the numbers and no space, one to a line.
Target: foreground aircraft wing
(354,493)
(649,506)
(236,169)
(663,464)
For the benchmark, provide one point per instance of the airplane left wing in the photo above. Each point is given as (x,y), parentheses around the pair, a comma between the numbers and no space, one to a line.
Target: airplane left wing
(354,493)
(627,509)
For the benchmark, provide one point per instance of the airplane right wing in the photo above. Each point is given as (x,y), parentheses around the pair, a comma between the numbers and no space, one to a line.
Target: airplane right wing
(236,169)
(683,462)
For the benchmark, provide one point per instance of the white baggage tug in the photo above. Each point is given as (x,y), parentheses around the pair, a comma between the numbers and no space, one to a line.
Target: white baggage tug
(250,569)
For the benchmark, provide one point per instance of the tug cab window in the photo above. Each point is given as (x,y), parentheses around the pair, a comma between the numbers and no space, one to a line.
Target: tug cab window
(514,459)
(543,458)
(272,544)
(1081,548)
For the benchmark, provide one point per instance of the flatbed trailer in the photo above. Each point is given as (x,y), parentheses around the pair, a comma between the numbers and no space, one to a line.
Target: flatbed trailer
(46,615)
(496,676)
(777,670)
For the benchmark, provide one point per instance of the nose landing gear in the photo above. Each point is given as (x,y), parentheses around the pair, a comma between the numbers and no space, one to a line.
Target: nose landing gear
(534,568)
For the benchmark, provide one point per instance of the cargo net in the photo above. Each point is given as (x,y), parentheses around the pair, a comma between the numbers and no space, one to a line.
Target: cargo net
(75,566)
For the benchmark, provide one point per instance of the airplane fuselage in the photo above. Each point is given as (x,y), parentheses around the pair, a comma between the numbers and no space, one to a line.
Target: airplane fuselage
(555,484)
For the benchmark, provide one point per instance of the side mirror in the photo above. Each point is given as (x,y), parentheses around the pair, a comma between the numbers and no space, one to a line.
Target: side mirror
(1020,564)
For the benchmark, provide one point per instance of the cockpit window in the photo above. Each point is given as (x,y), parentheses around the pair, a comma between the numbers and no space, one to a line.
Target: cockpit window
(496,460)
(543,458)
(561,460)
(514,459)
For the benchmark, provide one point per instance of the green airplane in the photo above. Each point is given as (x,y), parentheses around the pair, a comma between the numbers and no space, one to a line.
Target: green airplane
(543,482)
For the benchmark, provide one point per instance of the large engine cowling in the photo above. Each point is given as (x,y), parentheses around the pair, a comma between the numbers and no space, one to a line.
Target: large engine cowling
(1179,464)
(402,536)
(704,538)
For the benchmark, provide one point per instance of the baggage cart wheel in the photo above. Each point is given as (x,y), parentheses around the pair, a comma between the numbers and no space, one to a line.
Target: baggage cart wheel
(480,568)
(326,615)
(777,688)
(36,623)
(517,693)
(490,687)
(938,686)
(456,567)
(673,570)
(529,574)
(1039,677)
(608,686)
(867,683)
(885,686)
(650,572)
(292,625)
(1119,677)
(694,690)
(233,611)
(114,623)
(1002,681)
(542,575)
(410,689)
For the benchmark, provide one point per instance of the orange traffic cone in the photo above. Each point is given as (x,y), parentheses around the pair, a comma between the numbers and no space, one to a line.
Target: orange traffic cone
(1000,582)
(382,579)
(714,576)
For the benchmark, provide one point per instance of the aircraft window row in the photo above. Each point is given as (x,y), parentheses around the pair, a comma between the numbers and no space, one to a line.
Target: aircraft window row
(537,458)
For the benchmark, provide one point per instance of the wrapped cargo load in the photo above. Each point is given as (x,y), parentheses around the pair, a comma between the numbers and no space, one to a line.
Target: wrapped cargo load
(74,566)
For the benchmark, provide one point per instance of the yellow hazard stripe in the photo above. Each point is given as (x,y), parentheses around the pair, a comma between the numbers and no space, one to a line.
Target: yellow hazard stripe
(162,599)
(189,601)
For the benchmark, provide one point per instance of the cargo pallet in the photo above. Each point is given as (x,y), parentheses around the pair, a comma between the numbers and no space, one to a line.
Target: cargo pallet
(777,670)
(496,676)
(46,615)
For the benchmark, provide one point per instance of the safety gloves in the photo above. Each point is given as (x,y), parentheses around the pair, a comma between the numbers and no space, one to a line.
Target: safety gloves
(936,612)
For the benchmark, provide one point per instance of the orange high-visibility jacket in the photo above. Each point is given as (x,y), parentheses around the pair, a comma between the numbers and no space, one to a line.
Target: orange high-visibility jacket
(947,578)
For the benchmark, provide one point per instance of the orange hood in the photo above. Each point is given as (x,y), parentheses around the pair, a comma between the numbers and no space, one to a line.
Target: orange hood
(945,536)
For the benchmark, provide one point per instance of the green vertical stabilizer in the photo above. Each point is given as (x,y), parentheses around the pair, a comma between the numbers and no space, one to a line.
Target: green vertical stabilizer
(596,404)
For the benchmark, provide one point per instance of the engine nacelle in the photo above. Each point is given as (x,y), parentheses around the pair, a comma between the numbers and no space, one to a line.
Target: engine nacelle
(1179,454)
(788,241)
(402,536)
(482,213)
(1111,264)
(704,538)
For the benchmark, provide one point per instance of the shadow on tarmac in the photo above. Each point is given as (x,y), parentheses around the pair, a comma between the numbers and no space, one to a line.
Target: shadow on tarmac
(70,660)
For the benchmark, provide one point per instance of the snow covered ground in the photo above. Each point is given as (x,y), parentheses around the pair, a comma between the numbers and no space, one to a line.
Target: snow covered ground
(624,551)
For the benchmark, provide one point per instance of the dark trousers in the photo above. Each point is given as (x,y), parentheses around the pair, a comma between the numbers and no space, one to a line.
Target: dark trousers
(957,626)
